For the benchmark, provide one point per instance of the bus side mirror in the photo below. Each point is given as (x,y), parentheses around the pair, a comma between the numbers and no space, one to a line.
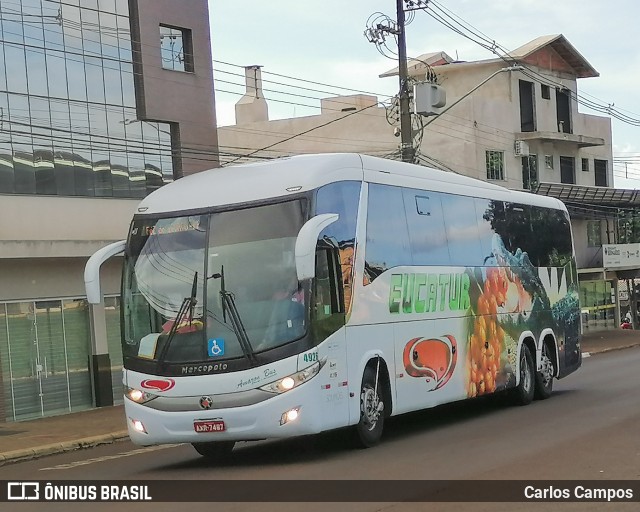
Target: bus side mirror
(305,250)
(92,270)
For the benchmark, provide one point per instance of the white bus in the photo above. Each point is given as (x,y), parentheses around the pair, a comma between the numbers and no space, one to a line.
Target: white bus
(310,293)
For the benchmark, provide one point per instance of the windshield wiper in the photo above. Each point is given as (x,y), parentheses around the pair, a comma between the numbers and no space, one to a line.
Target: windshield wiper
(188,304)
(229,305)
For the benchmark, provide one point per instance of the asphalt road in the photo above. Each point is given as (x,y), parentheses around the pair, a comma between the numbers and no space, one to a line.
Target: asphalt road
(588,430)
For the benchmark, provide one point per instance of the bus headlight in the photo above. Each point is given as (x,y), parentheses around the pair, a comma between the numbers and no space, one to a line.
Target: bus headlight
(137,396)
(291,381)
(290,416)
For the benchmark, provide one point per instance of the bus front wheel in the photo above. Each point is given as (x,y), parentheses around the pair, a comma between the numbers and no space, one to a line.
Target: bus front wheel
(523,392)
(371,424)
(215,451)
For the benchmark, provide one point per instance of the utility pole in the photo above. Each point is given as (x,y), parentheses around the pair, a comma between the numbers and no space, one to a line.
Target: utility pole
(406,148)
(429,98)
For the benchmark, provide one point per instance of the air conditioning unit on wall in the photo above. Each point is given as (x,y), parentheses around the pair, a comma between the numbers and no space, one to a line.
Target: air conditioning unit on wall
(521,148)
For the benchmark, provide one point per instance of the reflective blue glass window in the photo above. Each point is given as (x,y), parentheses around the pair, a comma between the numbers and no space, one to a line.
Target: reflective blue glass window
(65,124)
(462,230)
(425,221)
(388,243)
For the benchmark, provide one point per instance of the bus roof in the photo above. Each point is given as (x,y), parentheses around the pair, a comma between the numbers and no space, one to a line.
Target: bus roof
(288,176)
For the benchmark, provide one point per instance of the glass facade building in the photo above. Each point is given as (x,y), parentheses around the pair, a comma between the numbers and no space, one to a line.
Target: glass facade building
(101,103)
(68,119)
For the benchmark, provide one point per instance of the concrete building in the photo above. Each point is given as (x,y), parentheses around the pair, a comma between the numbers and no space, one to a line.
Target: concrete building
(515,123)
(101,102)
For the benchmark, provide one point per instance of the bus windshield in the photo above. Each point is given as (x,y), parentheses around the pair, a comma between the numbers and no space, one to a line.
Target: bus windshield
(215,286)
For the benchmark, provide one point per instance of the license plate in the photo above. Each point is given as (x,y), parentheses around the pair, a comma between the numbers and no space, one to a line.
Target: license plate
(209,426)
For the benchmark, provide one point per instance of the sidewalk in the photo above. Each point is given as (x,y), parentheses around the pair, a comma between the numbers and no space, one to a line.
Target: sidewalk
(31,439)
(25,440)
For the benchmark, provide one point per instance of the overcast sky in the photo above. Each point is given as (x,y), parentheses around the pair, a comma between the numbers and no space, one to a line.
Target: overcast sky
(323,42)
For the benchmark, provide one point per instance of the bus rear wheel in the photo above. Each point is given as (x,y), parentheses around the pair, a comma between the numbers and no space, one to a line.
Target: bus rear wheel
(215,451)
(524,391)
(544,378)
(369,428)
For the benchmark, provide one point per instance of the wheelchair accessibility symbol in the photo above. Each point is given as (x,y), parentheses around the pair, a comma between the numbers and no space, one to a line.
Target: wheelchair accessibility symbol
(215,347)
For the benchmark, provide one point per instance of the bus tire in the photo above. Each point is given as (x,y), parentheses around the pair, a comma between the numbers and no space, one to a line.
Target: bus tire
(215,451)
(544,378)
(371,423)
(524,391)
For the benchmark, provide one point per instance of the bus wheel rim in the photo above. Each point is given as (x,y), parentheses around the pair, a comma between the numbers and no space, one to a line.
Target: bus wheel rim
(370,412)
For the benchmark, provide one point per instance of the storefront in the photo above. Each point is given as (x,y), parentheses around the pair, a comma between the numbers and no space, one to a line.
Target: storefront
(45,354)
(599,218)
(599,305)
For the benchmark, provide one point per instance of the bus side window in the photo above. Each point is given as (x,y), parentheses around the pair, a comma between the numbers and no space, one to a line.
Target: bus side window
(461,226)
(387,242)
(328,301)
(425,221)
(342,198)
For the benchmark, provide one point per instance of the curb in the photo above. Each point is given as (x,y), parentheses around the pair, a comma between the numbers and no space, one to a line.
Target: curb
(608,349)
(55,448)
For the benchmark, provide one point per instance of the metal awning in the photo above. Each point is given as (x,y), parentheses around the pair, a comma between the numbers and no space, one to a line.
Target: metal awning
(592,202)
(604,196)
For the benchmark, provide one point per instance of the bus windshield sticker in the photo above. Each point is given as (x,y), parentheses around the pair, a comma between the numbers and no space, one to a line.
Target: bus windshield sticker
(148,343)
(215,347)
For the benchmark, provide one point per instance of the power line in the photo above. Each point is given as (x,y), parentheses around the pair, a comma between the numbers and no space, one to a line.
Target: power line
(311,129)
(334,99)
(264,72)
(289,94)
(493,47)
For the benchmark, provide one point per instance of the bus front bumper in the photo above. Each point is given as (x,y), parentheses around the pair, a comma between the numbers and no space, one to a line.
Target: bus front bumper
(271,418)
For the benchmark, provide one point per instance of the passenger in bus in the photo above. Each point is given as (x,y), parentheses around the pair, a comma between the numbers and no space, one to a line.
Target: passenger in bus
(187,323)
(290,291)
(287,313)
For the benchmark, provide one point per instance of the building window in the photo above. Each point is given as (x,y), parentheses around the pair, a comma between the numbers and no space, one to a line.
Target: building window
(529,172)
(546,92)
(548,161)
(527,107)
(585,165)
(567,169)
(600,167)
(495,165)
(563,105)
(594,233)
(176,48)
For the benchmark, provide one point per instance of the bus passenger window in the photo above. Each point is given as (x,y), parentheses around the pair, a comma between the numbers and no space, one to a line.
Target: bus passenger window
(387,234)
(462,230)
(426,227)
